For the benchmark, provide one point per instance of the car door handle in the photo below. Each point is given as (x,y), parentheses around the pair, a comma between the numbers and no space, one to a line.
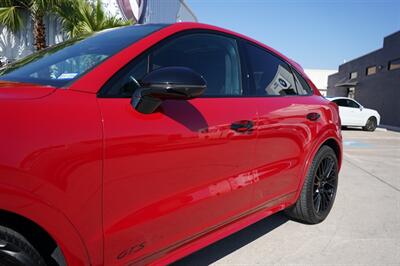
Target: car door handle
(242,126)
(313,116)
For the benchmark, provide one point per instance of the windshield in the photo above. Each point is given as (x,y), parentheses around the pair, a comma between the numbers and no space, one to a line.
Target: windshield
(67,61)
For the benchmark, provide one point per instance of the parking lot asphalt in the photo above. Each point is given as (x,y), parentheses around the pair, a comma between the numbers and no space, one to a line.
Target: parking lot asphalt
(363,227)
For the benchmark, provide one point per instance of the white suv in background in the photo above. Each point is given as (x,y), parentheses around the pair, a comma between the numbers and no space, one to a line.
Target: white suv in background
(354,114)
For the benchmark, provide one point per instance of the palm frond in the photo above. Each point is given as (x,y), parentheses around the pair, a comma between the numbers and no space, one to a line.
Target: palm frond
(99,14)
(80,17)
(11,17)
(113,22)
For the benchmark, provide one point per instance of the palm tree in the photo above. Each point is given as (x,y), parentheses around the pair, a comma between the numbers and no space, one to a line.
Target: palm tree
(13,13)
(78,17)
(81,17)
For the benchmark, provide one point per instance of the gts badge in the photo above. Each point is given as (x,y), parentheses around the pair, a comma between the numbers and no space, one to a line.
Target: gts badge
(133,249)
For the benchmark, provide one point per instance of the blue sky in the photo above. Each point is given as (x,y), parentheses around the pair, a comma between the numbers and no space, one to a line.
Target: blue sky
(317,34)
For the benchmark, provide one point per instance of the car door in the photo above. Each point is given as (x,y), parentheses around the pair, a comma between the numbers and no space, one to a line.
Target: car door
(357,114)
(182,171)
(288,118)
(346,113)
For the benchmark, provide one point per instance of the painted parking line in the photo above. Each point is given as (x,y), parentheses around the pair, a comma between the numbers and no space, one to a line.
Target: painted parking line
(356,144)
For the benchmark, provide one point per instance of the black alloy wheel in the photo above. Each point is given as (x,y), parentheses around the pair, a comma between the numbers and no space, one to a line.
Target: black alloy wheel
(371,124)
(15,250)
(319,189)
(325,185)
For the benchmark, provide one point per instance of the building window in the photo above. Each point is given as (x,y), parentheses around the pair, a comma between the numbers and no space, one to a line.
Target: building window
(353,75)
(394,64)
(371,70)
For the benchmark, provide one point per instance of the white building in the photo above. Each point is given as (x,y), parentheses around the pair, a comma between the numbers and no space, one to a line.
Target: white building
(154,11)
(320,78)
(16,46)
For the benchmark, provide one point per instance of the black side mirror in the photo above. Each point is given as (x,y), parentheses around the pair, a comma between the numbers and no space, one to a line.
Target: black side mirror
(179,83)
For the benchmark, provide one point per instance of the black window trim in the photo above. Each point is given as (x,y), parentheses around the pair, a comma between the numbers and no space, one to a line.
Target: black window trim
(310,89)
(244,66)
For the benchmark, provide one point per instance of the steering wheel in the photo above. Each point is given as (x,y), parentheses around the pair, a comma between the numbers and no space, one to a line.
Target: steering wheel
(135,81)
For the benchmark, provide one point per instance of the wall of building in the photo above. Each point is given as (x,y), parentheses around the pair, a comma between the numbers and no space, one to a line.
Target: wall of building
(320,78)
(380,91)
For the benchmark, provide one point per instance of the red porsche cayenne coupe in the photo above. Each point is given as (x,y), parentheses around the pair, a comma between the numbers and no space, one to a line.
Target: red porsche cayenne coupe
(142,144)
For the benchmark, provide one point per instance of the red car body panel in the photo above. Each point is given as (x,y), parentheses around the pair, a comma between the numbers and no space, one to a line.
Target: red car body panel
(79,166)
(48,156)
(23,91)
(198,167)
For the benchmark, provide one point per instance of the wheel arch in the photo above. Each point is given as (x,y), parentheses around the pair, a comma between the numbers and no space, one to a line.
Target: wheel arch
(23,212)
(330,138)
(371,116)
(35,234)
(330,141)
(335,147)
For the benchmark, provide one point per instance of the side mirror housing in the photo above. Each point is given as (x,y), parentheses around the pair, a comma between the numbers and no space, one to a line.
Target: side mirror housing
(178,83)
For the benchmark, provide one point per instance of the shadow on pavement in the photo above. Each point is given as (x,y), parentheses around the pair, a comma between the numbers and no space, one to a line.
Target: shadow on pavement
(233,242)
(346,128)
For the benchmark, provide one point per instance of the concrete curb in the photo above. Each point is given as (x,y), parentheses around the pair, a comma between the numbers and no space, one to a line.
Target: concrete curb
(392,128)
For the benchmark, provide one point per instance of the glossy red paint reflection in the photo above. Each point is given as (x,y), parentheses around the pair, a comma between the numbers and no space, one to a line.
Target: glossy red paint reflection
(113,186)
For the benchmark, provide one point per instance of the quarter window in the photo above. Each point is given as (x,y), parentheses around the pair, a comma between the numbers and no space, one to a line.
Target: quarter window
(301,85)
(270,75)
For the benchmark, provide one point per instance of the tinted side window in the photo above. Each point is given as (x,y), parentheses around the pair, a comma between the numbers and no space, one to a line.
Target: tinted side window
(341,102)
(352,104)
(301,85)
(270,75)
(126,81)
(215,57)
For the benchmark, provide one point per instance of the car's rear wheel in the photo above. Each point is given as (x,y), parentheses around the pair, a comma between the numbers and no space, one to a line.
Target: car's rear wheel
(319,190)
(15,250)
(371,124)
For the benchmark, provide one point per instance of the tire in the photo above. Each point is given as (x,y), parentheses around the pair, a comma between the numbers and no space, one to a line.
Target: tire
(371,124)
(15,250)
(319,189)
